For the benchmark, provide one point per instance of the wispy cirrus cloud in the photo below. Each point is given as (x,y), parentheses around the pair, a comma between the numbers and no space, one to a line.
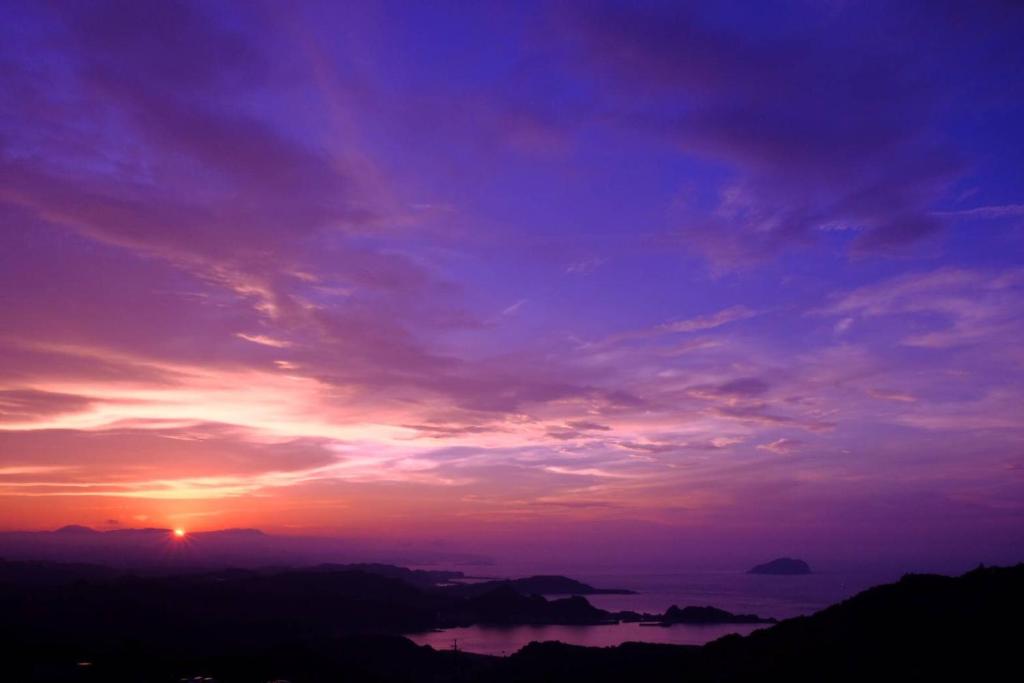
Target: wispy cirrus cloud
(698,323)
(816,140)
(955,306)
(781,446)
(710,321)
(992,211)
(264,340)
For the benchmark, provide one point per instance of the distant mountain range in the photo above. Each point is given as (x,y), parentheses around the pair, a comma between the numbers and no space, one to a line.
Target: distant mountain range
(157,549)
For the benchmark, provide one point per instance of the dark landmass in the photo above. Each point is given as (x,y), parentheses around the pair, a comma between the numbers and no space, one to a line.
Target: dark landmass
(537,585)
(505,605)
(709,615)
(784,566)
(690,615)
(512,602)
(76,529)
(53,573)
(341,625)
(269,603)
(410,600)
(424,578)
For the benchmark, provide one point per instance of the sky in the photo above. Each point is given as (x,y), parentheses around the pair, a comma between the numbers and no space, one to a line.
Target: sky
(585,281)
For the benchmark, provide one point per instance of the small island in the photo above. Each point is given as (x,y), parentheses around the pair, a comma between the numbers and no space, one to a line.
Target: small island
(784,566)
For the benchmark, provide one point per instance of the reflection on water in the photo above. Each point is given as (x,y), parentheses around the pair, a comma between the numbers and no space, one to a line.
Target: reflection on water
(504,640)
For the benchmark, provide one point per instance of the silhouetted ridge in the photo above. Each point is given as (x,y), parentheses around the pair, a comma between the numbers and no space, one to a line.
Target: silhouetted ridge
(418,577)
(75,529)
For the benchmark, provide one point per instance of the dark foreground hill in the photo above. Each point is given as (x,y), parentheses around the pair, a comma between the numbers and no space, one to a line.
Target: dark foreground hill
(311,626)
(923,628)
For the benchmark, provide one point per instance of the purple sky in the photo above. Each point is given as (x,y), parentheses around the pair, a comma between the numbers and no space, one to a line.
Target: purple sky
(656,280)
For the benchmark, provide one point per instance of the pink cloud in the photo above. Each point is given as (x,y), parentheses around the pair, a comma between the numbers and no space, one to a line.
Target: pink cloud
(781,446)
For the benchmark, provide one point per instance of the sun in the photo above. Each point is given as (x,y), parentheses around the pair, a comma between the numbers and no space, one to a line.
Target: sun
(179,533)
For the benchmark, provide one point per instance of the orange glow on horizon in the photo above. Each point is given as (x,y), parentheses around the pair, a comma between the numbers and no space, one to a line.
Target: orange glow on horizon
(179,533)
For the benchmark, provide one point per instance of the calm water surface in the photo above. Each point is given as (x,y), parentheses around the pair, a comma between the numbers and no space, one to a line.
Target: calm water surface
(781,597)
(498,640)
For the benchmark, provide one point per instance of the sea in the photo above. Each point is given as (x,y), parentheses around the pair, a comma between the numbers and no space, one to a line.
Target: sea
(780,597)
